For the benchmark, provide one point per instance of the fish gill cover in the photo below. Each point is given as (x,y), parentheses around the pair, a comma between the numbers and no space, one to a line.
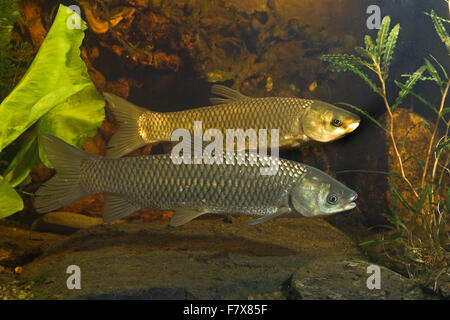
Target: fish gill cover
(55,95)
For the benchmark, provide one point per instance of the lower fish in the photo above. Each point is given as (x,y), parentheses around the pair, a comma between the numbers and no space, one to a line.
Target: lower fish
(298,120)
(191,190)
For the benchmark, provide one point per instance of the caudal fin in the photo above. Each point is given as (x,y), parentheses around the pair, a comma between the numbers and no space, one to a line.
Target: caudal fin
(64,188)
(127,138)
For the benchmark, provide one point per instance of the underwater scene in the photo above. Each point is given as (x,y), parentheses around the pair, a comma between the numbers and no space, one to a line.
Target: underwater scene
(224,150)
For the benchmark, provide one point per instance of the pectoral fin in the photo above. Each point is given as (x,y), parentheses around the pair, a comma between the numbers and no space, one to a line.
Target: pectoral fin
(271,216)
(182,216)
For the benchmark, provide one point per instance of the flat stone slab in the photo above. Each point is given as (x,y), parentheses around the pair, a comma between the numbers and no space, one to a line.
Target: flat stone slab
(331,279)
(204,259)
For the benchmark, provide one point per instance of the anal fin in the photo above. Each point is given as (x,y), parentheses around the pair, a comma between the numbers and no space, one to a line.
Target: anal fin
(117,207)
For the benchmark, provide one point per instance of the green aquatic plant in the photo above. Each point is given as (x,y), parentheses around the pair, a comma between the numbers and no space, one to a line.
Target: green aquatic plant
(55,95)
(14,58)
(426,201)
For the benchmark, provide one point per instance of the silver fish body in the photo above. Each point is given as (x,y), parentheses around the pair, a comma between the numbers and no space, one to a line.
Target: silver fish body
(156,182)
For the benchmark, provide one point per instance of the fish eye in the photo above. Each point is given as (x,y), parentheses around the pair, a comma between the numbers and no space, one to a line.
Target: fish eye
(336,122)
(332,198)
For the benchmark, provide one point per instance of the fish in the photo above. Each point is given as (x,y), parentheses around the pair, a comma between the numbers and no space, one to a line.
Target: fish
(190,190)
(298,120)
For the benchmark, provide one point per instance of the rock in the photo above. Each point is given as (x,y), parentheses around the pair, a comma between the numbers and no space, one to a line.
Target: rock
(444,285)
(19,246)
(334,279)
(416,146)
(329,14)
(64,222)
(204,259)
(441,286)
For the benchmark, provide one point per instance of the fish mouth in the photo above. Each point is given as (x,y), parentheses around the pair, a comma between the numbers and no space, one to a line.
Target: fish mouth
(352,126)
(351,204)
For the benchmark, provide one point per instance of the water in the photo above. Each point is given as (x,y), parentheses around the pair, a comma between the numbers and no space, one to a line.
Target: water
(165,56)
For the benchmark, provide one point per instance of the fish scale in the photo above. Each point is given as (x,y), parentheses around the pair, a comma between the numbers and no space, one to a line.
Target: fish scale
(156,182)
(251,113)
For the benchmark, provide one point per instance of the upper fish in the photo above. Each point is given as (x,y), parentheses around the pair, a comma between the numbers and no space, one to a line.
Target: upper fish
(298,120)
(156,182)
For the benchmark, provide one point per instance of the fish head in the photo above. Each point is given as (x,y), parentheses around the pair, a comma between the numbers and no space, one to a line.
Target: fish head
(319,195)
(324,122)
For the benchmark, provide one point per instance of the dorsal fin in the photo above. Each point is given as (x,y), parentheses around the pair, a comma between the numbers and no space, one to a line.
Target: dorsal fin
(228,95)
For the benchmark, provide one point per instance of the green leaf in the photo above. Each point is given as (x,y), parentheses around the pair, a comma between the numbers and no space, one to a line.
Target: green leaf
(22,164)
(407,87)
(366,53)
(434,73)
(370,47)
(366,79)
(410,129)
(382,36)
(422,199)
(379,241)
(398,195)
(441,146)
(440,29)
(56,74)
(348,62)
(427,125)
(419,97)
(370,171)
(10,201)
(389,50)
(74,120)
(417,160)
(441,66)
(341,62)
(365,114)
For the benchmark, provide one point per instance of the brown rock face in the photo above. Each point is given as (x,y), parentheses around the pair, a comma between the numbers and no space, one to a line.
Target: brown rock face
(409,128)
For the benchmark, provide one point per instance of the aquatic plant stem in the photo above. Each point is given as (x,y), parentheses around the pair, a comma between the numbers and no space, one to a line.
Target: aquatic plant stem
(391,127)
(433,137)
(436,161)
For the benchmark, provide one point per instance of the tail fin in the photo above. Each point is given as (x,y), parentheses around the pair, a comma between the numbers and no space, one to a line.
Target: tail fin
(127,138)
(64,188)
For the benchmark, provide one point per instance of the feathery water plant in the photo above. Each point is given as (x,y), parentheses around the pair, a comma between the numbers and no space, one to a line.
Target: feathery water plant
(419,232)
